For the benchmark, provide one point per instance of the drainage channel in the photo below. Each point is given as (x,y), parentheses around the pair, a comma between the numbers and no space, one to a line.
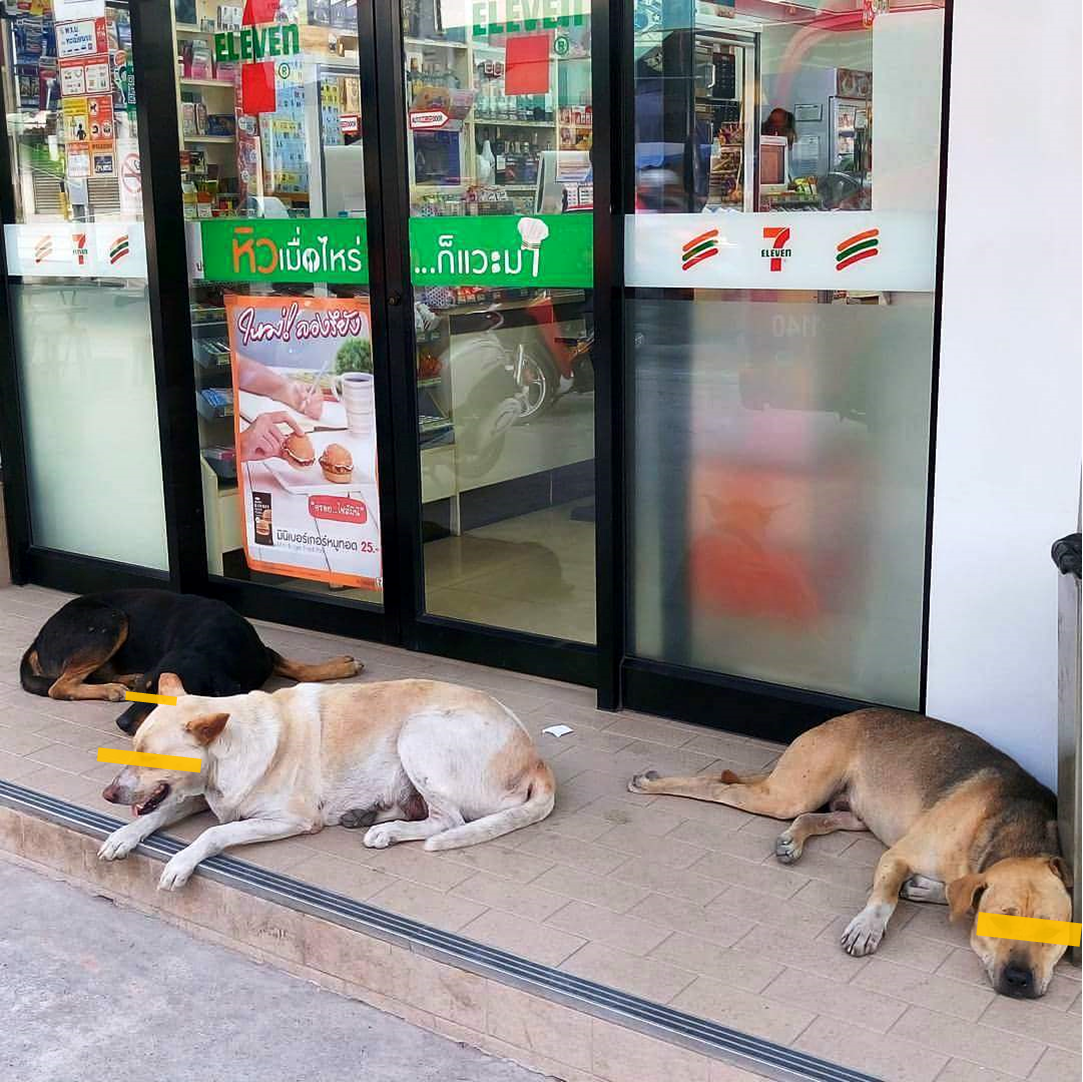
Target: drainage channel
(652,1019)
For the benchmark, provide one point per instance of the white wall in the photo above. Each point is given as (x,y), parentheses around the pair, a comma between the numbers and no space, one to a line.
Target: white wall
(1008,445)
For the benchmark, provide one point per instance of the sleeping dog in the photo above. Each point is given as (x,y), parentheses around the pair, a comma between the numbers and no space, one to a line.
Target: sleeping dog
(965,825)
(102,645)
(409,759)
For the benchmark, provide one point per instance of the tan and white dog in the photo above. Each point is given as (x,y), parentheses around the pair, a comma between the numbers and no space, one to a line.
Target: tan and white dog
(964,825)
(409,759)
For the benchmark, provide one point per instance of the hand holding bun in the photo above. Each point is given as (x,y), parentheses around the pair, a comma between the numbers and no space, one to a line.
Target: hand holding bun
(298,450)
(337,464)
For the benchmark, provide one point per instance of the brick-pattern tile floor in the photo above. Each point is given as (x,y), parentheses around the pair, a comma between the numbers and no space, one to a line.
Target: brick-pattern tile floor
(676,900)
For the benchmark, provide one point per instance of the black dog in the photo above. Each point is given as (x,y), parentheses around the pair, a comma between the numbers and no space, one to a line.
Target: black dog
(99,646)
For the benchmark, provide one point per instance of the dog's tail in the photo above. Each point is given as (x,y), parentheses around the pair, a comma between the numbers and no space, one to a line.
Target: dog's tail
(30,675)
(538,804)
(336,668)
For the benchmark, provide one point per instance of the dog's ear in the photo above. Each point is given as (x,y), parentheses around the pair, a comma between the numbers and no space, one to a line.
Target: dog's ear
(964,894)
(169,683)
(208,727)
(1060,869)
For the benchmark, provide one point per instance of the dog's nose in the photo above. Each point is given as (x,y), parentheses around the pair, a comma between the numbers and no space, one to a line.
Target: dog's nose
(1018,980)
(110,793)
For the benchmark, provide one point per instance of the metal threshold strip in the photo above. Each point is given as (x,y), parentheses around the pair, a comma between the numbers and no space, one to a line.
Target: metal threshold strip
(644,1016)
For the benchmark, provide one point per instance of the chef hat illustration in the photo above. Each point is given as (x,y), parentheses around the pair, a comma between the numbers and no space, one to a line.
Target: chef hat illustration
(532,231)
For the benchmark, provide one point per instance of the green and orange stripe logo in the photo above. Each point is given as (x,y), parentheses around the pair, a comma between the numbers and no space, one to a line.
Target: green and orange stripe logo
(856,248)
(699,248)
(118,249)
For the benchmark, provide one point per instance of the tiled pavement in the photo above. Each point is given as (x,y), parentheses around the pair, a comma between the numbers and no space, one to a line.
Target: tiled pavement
(675,900)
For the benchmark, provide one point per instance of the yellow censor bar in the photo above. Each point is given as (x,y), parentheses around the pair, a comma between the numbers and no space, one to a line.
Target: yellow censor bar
(142,758)
(1030,929)
(142,697)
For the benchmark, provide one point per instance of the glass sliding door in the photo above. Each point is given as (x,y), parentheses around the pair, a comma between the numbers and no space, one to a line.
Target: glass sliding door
(499,135)
(781,274)
(77,286)
(272,175)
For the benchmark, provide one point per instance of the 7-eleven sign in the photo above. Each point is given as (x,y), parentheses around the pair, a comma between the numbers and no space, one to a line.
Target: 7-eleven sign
(779,236)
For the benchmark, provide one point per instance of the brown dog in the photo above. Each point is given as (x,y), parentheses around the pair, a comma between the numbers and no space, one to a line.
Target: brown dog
(964,824)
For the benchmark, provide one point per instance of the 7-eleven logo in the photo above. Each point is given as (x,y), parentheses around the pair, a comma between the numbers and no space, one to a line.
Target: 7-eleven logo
(79,248)
(779,236)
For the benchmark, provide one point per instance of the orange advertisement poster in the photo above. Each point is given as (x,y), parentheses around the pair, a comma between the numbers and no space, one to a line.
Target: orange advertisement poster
(305,433)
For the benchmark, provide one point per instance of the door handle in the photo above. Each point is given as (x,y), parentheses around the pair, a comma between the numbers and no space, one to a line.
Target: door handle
(394,298)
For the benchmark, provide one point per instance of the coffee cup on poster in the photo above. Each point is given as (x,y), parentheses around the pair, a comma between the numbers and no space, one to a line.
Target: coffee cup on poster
(355,391)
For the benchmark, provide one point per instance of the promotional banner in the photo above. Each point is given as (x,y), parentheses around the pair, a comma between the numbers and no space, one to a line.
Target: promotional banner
(282,250)
(861,251)
(305,430)
(76,249)
(503,250)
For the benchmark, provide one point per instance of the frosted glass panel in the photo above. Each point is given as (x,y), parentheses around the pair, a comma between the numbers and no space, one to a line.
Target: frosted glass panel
(86,373)
(779,477)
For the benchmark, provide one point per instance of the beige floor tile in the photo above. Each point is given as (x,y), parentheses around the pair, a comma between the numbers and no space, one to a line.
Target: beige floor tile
(767,909)
(630,934)
(622,1055)
(428,906)
(742,969)
(569,824)
(820,956)
(721,838)
(768,878)
(713,926)
(527,938)
(883,1055)
(932,922)
(356,881)
(646,977)
(863,848)
(1056,1065)
(631,841)
(64,757)
(71,734)
(958,1070)
(653,730)
(497,858)
(665,880)
(934,991)
(529,902)
(723,746)
(831,898)
(978,1043)
(607,891)
(835,999)
(706,812)
(747,1012)
(562,850)
(20,740)
(283,855)
(649,821)
(1035,1020)
(725,1072)
(408,860)
(963,965)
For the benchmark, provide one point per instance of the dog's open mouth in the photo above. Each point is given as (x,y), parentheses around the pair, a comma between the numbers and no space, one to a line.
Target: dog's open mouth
(152,801)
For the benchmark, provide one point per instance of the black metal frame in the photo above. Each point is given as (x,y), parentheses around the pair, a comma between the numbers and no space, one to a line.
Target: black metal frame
(620,679)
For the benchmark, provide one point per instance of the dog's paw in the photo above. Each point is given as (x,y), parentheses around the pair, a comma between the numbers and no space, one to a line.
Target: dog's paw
(864,932)
(920,888)
(787,849)
(380,836)
(357,817)
(638,781)
(118,845)
(175,874)
(115,693)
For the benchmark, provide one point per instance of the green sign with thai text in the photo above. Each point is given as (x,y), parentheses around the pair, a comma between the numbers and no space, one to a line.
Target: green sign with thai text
(285,250)
(257,42)
(503,251)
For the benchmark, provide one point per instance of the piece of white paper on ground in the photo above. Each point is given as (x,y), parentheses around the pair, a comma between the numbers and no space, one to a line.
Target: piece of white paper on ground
(558,730)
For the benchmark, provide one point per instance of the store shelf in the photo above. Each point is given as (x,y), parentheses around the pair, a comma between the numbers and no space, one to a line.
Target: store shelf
(225,83)
(493,122)
(434,43)
(210,138)
(434,382)
(184,31)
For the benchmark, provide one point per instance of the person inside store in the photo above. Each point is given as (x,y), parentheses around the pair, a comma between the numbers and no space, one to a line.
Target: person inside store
(263,438)
(781,122)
